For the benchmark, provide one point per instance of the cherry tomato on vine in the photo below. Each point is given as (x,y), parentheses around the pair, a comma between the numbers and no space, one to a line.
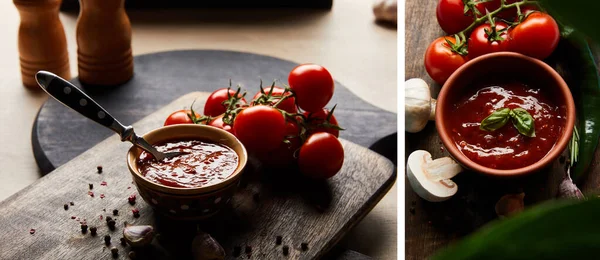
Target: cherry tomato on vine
(537,36)
(441,61)
(288,105)
(451,15)
(479,41)
(260,128)
(283,156)
(319,118)
(508,14)
(313,86)
(321,156)
(218,123)
(180,117)
(214,104)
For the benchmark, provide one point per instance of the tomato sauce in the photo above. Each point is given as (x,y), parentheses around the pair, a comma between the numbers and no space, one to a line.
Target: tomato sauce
(506,148)
(204,163)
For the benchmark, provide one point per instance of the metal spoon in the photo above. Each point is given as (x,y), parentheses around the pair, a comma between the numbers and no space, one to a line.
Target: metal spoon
(72,97)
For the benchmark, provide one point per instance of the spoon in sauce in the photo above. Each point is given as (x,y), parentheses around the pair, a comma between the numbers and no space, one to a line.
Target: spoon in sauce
(73,98)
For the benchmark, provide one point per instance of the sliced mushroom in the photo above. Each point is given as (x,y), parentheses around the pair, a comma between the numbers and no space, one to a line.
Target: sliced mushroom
(430,179)
(419,107)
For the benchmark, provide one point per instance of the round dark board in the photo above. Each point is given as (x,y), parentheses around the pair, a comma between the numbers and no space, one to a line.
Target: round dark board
(60,134)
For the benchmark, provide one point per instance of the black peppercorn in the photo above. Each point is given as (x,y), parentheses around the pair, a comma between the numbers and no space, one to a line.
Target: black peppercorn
(115,212)
(131,255)
(91,186)
(111,224)
(93,231)
(304,246)
(237,250)
(136,213)
(84,228)
(66,206)
(278,240)
(71,203)
(123,241)
(99,168)
(286,250)
(107,239)
(114,251)
(108,218)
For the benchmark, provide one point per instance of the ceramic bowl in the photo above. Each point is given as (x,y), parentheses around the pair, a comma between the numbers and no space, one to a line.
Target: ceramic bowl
(188,203)
(507,64)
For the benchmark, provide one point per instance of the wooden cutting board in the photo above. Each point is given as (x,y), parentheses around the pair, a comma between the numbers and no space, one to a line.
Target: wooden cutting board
(268,204)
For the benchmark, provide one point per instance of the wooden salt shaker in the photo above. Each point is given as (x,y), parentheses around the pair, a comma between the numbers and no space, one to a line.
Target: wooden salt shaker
(104,43)
(42,41)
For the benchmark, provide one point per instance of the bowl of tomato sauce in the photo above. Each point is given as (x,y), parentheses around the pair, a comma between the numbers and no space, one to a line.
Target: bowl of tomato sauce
(197,183)
(505,114)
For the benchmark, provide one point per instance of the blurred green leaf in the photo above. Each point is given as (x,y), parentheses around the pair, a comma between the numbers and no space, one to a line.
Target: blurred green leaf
(583,15)
(567,229)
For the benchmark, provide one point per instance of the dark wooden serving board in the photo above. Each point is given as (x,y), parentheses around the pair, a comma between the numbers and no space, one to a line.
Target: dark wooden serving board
(432,226)
(60,134)
(268,204)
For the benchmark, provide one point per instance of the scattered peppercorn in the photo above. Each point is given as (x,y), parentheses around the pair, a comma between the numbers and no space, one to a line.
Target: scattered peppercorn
(111,225)
(66,206)
(304,246)
(73,217)
(91,194)
(102,195)
(71,203)
(115,212)
(108,218)
(103,183)
(99,168)
(131,255)
(286,250)
(237,250)
(123,241)
(131,199)
(91,186)
(84,228)
(278,240)
(114,251)
(136,213)
(93,231)
(248,249)
(32,231)
(107,239)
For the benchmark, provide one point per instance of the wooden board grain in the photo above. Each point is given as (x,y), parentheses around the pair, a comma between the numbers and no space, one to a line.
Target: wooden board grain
(268,204)
(431,226)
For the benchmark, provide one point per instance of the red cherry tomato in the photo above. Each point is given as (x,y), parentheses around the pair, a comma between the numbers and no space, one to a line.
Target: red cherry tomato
(288,105)
(451,15)
(508,14)
(260,128)
(218,123)
(319,118)
(313,86)
(479,43)
(321,156)
(441,61)
(283,156)
(214,104)
(180,117)
(537,36)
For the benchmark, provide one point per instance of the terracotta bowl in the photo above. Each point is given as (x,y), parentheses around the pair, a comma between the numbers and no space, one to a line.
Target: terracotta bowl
(188,203)
(507,64)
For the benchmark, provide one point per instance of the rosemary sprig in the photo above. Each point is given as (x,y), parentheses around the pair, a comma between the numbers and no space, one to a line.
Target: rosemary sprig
(574,147)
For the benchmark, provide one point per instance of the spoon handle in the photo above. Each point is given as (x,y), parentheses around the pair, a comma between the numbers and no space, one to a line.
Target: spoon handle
(72,97)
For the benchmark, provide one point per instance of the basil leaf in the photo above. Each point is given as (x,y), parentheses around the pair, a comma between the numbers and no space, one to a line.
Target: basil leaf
(556,229)
(523,121)
(496,120)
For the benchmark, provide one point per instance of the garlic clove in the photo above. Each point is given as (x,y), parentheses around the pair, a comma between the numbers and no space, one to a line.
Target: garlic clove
(205,247)
(419,107)
(137,236)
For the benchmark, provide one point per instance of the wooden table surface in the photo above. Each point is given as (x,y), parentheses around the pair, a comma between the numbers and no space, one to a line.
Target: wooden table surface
(431,226)
(358,52)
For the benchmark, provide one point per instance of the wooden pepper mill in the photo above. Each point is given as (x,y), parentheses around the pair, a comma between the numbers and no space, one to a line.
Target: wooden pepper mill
(42,41)
(104,43)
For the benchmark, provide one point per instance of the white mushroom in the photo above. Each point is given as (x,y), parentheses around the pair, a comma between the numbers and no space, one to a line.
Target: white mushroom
(386,10)
(418,104)
(431,178)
